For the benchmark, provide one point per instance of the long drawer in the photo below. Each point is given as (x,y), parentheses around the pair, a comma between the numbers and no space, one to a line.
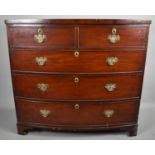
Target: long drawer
(112,36)
(74,113)
(56,37)
(77,87)
(77,61)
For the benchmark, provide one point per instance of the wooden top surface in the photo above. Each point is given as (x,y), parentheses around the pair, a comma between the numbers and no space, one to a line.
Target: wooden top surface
(78,21)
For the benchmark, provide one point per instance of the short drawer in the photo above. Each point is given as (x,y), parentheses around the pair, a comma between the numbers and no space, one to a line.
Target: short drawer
(77,61)
(77,113)
(77,87)
(56,37)
(112,36)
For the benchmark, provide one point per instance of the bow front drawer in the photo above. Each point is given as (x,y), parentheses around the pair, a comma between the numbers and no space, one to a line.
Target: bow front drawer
(77,61)
(55,37)
(112,36)
(75,87)
(74,113)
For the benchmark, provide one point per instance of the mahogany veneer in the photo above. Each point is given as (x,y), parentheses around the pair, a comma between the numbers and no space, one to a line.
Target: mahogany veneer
(77,74)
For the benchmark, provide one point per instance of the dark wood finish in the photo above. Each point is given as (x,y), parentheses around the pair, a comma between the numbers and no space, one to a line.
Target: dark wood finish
(77,21)
(62,37)
(88,113)
(89,38)
(92,88)
(87,62)
(24,128)
(96,36)
(133,131)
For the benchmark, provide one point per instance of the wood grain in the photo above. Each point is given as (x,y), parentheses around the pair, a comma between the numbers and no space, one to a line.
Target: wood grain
(62,37)
(61,88)
(96,36)
(90,38)
(87,62)
(88,113)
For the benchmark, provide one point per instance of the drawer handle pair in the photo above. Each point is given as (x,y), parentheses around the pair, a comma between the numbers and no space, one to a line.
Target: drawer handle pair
(114,37)
(109,87)
(41,61)
(40,36)
(107,113)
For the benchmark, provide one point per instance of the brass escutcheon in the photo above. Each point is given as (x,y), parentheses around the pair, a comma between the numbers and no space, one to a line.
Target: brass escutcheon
(76,106)
(76,54)
(76,80)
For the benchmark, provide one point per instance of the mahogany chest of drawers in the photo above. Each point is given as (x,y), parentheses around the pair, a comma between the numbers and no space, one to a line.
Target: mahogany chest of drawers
(77,74)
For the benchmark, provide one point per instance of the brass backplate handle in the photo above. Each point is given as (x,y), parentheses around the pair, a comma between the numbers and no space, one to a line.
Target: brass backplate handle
(42,86)
(110,87)
(44,113)
(41,61)
(108,113)
(40,36)
(114,37)
(112,61)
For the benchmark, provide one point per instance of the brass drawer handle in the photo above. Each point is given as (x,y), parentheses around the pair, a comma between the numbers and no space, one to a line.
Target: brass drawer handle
(108,113)
(44,113)
(114,37)
(76,54)
(42,86)
(76,106)
(110,87)
(41,61)
(40,37)
(112,61)
(76,80)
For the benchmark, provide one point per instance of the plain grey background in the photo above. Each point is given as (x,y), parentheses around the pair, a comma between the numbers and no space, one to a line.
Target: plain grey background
(146,128)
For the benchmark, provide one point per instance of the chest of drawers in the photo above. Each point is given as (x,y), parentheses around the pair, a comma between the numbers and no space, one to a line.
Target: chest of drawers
(77,74)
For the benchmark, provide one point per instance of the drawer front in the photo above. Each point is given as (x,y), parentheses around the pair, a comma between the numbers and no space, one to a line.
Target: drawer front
(112,36)
(74,113)
(76,87)
(77,61)
(56,37)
